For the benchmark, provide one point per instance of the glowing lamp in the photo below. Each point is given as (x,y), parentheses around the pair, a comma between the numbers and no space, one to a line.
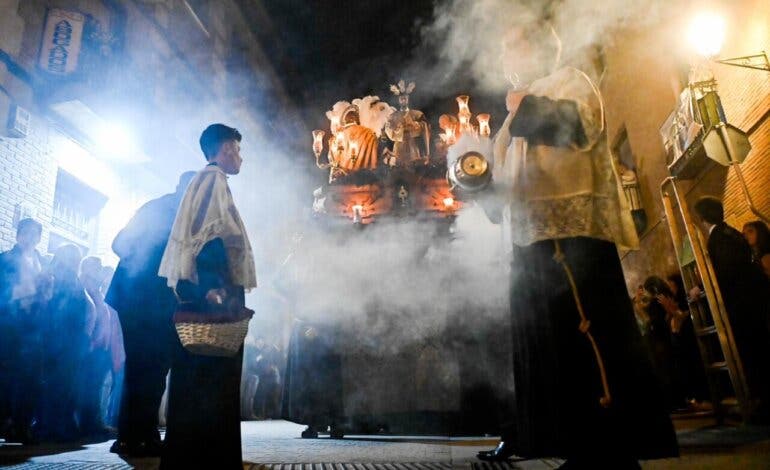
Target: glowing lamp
(318,142)
(339,140)
(115,139)
(450,136)
(462,103)
(706,33)
(484,129)
(358,211)
(449,202)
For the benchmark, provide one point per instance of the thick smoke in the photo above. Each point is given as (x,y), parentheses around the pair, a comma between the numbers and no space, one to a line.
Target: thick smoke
(467,35)
(398,282)
(401,282)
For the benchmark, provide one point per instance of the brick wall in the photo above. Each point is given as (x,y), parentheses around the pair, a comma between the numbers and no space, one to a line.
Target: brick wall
(641,101)
(28,177)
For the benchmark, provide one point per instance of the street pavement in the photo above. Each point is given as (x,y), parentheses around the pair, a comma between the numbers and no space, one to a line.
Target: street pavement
(267,444)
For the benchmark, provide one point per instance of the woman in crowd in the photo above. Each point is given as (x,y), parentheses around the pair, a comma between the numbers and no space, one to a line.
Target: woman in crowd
(658,336)
(689,365)
(758,236)
(69,313)
(94,372)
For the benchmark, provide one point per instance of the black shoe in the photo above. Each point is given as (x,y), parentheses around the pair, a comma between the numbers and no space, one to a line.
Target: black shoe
(588,464)
(120,447)
(501,453)
(138,450)
(309,433)
(147,449)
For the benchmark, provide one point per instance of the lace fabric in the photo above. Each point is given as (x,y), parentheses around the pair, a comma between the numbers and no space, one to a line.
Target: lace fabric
(564,192)
(208,212)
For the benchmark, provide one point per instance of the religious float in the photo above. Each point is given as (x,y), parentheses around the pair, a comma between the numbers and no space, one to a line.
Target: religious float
(385,168)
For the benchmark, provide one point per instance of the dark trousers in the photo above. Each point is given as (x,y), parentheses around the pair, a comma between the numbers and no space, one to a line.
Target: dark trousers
(557,379)
(92,409)
(147,343)
(28,381)
(64,360)
(204,417)
(9,358)
(21,371)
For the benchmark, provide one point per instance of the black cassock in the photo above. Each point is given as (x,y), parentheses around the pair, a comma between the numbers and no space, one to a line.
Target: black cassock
(144,304)
(557,380)
(747,300)
(312,388)
(203,425)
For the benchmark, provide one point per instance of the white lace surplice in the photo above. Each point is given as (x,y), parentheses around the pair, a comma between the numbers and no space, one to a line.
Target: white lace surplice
(564,192)
(208,212)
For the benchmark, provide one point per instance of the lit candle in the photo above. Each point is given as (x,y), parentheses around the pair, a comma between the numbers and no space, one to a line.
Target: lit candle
(318,143)
(464,113)
(484,129)
(357,213)
(462,103)
(450,136)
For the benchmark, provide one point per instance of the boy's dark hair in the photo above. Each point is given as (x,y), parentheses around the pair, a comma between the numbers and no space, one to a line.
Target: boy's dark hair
(214,136)
(29,223)
(710,209)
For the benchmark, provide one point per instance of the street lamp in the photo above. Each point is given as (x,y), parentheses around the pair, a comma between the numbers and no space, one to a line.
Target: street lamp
(706,35)
(697,130)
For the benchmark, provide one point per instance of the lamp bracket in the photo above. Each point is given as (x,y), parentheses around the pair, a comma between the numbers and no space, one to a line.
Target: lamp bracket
(756,62)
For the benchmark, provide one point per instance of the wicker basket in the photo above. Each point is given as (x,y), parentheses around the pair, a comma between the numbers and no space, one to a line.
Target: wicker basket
(213,339)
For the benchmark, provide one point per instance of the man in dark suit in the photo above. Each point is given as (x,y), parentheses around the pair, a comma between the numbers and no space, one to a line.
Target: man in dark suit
(144,304)
(745,295)
(21,296)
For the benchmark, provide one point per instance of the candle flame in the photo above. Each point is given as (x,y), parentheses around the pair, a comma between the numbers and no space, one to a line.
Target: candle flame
(357,210)
(484,129)
(462,103)
(450,136)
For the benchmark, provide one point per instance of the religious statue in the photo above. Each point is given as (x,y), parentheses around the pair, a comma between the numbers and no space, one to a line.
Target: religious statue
(356,127)
(408,129)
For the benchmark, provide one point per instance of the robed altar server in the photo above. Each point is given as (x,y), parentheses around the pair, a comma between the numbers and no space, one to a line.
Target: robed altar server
(584,388)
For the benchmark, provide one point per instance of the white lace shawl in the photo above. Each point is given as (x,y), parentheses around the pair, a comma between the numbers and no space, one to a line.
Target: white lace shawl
(564,192)
(208,212)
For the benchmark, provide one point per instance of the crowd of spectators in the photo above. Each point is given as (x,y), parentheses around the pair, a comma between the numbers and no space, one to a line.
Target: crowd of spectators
(61,357)
(741,263)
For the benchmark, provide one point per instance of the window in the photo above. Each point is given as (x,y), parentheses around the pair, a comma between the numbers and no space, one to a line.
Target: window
(622,150)
(76,208)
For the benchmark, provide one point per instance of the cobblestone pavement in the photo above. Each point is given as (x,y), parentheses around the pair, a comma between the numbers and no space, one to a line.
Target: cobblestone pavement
(268,444)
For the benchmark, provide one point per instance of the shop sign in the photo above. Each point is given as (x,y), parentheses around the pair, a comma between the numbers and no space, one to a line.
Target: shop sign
(62,39)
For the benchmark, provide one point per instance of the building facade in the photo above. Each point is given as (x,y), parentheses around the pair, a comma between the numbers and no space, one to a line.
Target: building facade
(646,69)
(102,102)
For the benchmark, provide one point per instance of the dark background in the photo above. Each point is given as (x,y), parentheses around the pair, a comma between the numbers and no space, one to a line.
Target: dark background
(332,50)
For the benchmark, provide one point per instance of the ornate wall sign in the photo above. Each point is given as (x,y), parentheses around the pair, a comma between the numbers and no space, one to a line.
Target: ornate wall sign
(61,43)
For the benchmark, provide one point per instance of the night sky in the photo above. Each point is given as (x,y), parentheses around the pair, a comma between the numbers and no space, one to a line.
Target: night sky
(339,50)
